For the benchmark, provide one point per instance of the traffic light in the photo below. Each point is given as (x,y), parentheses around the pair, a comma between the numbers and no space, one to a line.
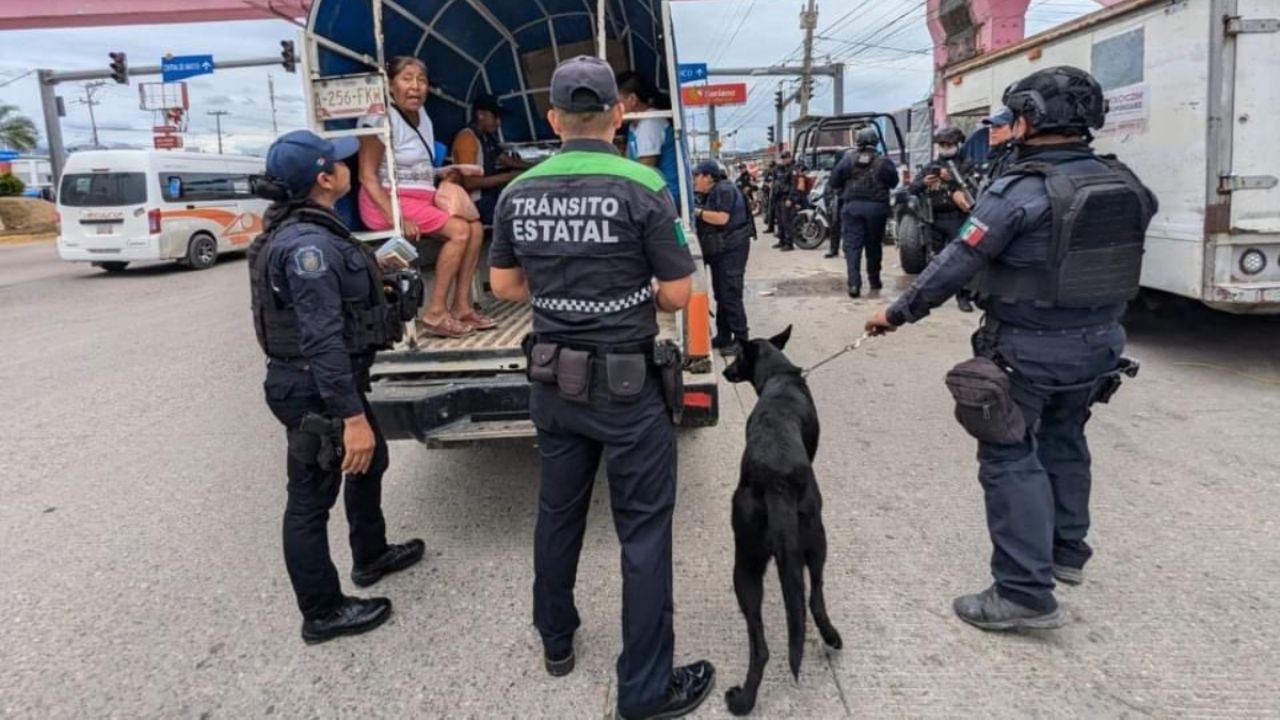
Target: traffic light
(771,137)
(119,67)
(777,99)
(809,85)
(287,56)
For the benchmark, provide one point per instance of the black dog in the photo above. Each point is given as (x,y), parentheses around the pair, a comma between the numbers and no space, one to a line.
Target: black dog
(777,509)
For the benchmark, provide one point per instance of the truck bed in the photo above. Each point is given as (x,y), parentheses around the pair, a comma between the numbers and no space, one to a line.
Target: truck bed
(515,320)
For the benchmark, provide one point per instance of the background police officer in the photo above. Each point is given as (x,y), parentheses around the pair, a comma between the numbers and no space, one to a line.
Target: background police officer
(863,179)
(1053,300)
(725,231)
(784,210)
(940,187)
(320,313)
(999,148)
(581,237)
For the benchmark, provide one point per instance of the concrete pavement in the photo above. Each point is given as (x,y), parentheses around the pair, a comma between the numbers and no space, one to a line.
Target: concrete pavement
(140,514)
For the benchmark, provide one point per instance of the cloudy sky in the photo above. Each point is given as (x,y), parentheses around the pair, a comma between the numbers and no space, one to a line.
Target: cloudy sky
(884,43)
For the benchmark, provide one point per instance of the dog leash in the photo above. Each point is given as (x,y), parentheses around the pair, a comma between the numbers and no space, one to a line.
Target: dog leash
(847,348)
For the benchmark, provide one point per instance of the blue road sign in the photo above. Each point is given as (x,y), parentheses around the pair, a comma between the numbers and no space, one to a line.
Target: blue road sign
(692,72)
(7,155)
(182,67)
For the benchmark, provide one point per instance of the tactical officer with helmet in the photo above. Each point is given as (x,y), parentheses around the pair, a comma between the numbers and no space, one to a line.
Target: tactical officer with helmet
(940,186)
(863,179)
(1056,247)
(581,237)
(321,310)
(785,197)
(725,231)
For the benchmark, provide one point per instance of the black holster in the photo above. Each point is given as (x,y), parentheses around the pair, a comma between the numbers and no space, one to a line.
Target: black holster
(318,441)
(668,359)
(1108,385)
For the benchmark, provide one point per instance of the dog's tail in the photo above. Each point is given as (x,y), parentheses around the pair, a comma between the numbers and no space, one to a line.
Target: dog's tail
(784,538)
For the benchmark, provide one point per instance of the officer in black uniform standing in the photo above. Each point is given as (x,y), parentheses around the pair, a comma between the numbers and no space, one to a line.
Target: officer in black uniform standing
(582,236)
(784,192)
(725,231)
(863,179)
(999,155)
(940,186)
(768,182)
(1057,241)
(320,313)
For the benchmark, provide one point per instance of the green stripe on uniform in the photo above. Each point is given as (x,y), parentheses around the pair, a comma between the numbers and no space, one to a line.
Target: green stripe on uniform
(580,163)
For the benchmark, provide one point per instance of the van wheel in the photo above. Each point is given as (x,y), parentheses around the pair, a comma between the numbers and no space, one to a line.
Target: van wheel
(113,267)
(202,252)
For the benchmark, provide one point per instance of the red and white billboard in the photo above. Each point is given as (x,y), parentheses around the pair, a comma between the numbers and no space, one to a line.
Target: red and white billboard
(722,94)
(168,142)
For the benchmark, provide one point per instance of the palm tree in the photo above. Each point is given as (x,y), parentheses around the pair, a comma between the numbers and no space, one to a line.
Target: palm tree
(16,131)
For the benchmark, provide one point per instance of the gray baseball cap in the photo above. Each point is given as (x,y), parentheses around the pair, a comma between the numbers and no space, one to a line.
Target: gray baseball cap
(584,84)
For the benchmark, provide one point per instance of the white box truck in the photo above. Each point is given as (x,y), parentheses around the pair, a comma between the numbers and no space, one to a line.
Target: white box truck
(1194,90)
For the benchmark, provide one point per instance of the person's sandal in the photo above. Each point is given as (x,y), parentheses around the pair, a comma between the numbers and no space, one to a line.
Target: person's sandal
(447,328)
(478,320)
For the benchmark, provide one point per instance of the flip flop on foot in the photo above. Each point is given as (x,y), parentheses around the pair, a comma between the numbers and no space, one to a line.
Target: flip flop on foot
(447,327)
(478,320)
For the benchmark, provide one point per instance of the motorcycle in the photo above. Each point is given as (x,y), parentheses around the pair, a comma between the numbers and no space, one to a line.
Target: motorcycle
(912,218)
(815,224)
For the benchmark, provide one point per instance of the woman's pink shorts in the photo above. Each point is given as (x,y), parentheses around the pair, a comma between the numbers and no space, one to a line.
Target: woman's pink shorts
(417,204)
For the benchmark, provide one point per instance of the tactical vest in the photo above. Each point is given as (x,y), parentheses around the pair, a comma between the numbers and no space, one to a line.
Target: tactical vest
(864,181)
(1095,254)
(369,325)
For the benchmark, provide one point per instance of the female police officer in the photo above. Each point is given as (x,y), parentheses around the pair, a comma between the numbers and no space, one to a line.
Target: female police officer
(320,314)
(725,229)
(1058,241)
(581,237)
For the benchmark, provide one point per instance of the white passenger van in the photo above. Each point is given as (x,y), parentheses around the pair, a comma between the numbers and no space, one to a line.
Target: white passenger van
(123,206)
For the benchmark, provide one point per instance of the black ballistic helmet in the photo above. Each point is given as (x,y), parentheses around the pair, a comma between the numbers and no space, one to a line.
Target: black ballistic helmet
(867,137)
(949,134)
(1058,98)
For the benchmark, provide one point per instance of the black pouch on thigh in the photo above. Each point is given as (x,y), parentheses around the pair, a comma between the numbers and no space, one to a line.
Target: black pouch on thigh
(626,375)
(304,447)
(542,363)
(984,402)
(573,375)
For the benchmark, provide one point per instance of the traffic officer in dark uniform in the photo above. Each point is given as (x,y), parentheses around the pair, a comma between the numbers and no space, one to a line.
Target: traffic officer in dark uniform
(320,313)
(581,237)
(1057,245)
(725,231)
(863,179)
(784,192)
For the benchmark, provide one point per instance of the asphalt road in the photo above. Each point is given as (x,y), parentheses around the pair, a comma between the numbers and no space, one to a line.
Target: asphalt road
(141,572)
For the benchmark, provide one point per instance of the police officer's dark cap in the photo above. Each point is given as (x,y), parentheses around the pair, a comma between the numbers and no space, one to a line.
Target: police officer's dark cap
(710,168)
(584,84)
(999,118)
(297,157)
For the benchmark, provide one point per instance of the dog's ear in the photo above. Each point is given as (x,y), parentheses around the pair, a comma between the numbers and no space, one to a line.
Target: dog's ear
(780,340)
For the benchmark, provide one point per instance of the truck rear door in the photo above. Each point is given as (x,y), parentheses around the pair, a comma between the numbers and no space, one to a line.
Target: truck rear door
(1255,155)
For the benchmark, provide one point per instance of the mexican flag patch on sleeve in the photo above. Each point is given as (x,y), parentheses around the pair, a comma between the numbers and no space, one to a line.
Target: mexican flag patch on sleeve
(972,232)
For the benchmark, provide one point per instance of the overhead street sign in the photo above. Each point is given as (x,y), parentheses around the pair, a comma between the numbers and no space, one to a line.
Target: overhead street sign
(692,72)
(173,69)
(724,94)
(168,142)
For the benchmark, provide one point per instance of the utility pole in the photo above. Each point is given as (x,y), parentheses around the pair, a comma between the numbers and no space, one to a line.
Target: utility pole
(217,115)
(713,133)
(271,89)
(91,89)
(808,23)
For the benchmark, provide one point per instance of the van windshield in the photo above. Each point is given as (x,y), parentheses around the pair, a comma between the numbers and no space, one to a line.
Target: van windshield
(109,189)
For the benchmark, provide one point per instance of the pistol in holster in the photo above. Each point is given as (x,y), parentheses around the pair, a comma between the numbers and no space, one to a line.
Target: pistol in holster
(1110,383)
(318,441)
(670,362)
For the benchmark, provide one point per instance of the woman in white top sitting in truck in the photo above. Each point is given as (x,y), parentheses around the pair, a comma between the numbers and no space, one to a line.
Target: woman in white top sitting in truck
(422,213)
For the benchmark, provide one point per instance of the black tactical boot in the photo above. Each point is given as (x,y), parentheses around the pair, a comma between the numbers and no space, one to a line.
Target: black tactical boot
(1068,575)
(394,559)
(989,611)
(963,302)
(788,248)
(855,291)
(560,665)
(834,251)
(353,617)
(776,246)
(690,685)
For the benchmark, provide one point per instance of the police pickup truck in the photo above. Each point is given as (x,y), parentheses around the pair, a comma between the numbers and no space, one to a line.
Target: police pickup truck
(450,391)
